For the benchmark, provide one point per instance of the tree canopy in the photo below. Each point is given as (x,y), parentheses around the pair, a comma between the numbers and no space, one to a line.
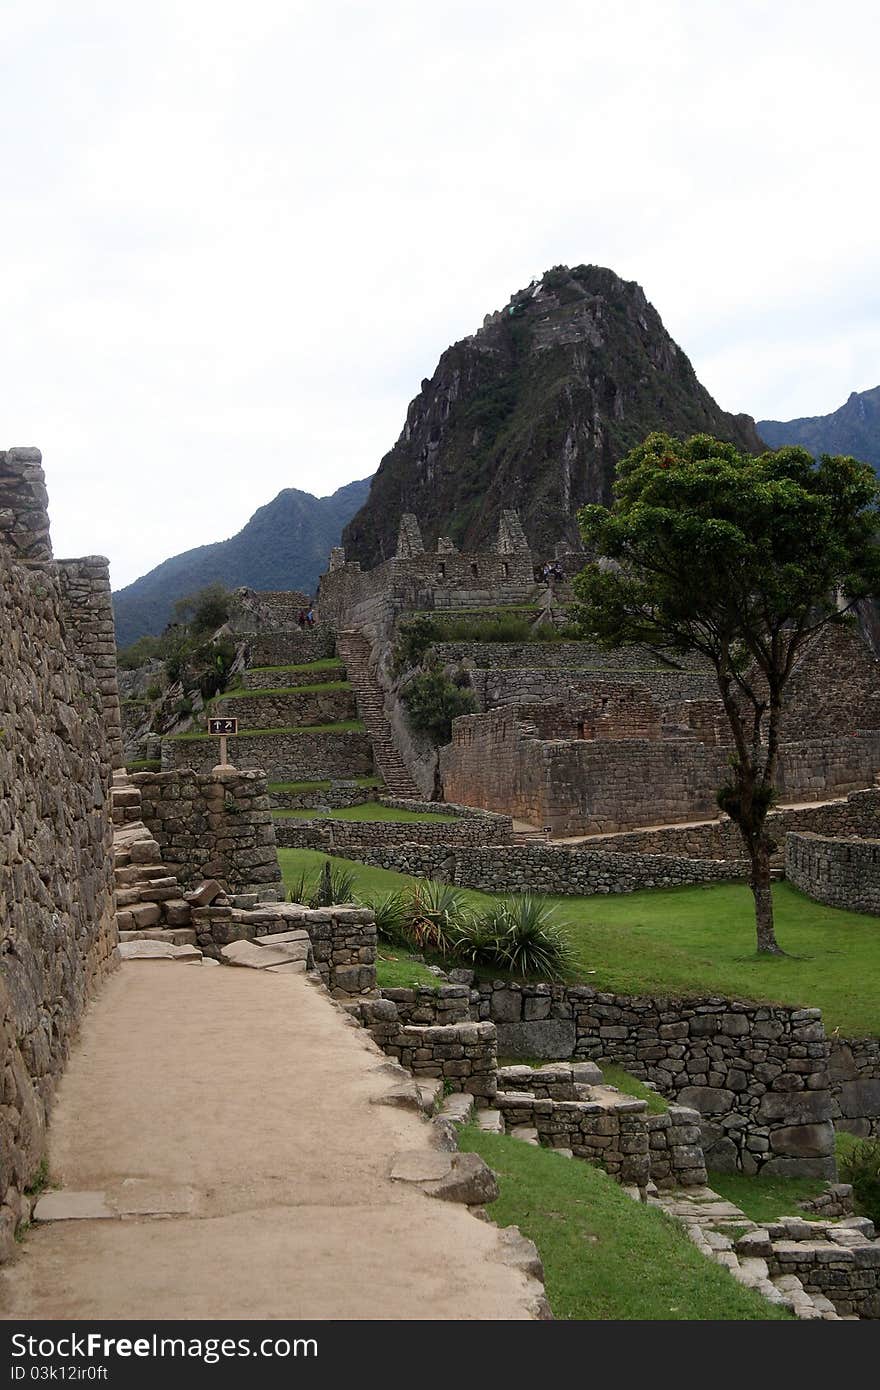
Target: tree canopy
(742,558)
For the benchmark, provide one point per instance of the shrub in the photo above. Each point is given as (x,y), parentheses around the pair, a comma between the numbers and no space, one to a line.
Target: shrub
(436,916)
(335,885)
(861,1167)
(154,692)
(205,610)
(520,934)
(392,913)
(138,653)
(433,700)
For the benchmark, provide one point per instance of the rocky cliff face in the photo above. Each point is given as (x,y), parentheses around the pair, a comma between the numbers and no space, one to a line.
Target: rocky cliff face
(533,412)
(853,429)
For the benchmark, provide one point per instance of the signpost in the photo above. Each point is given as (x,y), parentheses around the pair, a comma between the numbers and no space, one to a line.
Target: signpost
(225,728)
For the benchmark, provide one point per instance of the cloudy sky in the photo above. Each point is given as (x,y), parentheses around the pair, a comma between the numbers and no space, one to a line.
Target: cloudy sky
(235,237)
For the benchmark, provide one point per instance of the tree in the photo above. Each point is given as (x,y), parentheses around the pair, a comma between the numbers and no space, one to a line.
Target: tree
(205,610)
(742,558)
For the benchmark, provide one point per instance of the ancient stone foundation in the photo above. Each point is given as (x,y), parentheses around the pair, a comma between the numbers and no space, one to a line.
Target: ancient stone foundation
(757,1074)
(58,741)
(213,825)
(840,872)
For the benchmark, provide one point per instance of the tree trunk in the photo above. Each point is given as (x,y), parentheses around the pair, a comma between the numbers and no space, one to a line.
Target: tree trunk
(759,849)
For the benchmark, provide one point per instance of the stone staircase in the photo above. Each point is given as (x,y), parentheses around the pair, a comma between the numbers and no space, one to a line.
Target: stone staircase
(149,900)
(354,650)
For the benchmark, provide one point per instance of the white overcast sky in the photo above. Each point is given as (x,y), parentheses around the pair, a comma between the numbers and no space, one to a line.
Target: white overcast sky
(235,237)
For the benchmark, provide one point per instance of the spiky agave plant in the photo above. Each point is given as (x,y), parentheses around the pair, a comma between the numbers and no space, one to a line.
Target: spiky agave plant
(391,911)
(437,913)
(527,937)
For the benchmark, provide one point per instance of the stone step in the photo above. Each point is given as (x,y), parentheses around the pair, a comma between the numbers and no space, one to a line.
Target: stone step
(178,936)
(490,1121)
(128,876)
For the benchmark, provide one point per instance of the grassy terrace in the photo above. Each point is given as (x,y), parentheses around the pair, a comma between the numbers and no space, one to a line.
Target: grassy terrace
(327,663)
(683,941)
(605,1256)
(367,810)
(258,694)
(345,726)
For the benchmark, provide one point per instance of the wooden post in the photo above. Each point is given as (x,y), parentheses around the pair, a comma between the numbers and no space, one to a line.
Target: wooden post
(223,728)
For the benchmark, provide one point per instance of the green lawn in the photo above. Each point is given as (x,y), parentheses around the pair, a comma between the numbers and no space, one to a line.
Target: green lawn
(767,1198)
(606,1257)
(366,810)
(397,970)
(344,726)
(682,941)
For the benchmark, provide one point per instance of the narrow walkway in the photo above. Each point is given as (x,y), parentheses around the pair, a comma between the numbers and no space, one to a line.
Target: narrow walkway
(244,1103)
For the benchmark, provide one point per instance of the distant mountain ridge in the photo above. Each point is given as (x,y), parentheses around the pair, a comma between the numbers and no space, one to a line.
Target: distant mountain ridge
(285,545)
(854,429)
(533,411)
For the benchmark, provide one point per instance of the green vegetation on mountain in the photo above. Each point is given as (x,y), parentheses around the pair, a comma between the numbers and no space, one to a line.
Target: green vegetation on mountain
(853,429)
(533,412)
(285,545)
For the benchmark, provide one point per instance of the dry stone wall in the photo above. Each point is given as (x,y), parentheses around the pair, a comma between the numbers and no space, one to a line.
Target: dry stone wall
(840,872)
(463,1055)
(545,868)
(293,757)
(286,711)
(283,648)
(757,1074)
(349,838)
(854,1067)
(213,825)
(856,814)
(57,926)
(343,938)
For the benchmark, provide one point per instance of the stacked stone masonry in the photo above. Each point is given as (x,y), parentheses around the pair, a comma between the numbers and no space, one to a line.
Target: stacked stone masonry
(57,928)
(343,939)
(463,1055)
(525,761)
(840,1262)
(543,868)
(856,814)
(757,1074)
(288,710)
(213,825)
(352,838)
(284,757)
(289,677)
(840,872)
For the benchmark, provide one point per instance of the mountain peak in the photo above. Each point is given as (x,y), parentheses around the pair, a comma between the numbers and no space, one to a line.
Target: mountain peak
(853,429)
(532,411)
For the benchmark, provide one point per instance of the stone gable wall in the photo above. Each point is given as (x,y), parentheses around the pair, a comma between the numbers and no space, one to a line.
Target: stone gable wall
(503,760)
(57,925)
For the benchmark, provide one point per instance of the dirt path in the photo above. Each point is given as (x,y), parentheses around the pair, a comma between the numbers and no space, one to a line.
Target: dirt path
(244,1102)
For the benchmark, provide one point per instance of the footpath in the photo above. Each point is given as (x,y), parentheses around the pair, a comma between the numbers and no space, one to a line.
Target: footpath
(227,1133)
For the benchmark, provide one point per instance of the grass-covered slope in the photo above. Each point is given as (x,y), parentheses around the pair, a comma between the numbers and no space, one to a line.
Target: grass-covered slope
(684,941)
(605,1256)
